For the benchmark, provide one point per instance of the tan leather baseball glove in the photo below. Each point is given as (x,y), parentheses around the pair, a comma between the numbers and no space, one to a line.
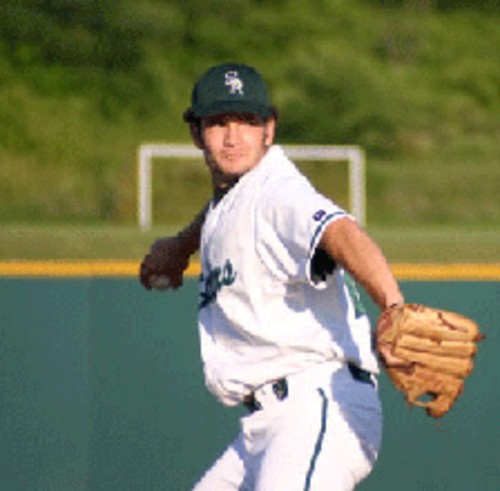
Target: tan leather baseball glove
(427,353)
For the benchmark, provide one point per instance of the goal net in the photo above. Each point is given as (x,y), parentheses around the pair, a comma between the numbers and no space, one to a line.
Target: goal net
(353,155)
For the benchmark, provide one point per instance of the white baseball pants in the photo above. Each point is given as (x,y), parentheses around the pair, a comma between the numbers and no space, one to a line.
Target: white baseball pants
(324,436)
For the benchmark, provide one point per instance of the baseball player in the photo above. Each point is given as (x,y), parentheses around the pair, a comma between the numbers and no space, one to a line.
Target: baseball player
(281,325)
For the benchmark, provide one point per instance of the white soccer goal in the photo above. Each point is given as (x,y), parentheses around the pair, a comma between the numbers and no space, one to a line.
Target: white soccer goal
(352,154)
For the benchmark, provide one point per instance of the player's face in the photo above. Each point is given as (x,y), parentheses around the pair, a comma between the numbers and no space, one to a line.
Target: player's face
(234,144)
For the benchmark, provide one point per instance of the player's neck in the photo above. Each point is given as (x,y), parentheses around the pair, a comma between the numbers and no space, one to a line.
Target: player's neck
(221,190)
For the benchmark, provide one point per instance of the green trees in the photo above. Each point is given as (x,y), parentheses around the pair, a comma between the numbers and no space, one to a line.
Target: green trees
(84,82)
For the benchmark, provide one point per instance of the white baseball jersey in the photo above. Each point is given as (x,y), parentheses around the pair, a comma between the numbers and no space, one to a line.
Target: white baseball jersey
(263,315)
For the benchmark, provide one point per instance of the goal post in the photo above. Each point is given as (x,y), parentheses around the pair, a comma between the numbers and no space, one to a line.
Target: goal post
(354,156)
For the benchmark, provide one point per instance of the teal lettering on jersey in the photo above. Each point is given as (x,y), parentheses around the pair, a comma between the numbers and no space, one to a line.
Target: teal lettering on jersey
(359,308)
(214,280)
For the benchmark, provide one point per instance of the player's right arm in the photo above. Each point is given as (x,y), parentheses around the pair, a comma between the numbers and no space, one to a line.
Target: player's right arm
(169,257)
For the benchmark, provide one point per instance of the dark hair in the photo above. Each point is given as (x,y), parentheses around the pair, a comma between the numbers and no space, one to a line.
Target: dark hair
(189,117)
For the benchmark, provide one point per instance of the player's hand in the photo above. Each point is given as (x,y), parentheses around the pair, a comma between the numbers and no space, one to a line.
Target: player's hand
(164,266)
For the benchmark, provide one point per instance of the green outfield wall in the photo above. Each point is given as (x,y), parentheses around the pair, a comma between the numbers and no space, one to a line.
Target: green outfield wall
(101,389)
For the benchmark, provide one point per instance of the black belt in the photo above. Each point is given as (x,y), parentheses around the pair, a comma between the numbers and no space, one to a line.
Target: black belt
(360,375)
(280,387)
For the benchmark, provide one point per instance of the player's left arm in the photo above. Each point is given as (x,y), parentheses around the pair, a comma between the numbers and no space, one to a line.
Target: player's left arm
(357,252)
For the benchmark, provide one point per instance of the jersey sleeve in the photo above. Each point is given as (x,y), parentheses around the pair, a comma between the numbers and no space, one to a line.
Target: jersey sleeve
(292,219)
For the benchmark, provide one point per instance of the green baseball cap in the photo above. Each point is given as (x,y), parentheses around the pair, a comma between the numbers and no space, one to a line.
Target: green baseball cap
(230,88)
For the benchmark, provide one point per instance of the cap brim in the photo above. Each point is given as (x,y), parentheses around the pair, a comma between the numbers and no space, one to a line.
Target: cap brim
(231,107)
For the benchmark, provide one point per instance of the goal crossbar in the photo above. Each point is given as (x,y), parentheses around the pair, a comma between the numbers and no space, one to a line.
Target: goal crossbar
(354,155)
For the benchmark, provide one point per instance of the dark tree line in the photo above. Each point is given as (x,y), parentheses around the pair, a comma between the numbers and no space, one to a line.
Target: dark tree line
(442,5)
(72,32)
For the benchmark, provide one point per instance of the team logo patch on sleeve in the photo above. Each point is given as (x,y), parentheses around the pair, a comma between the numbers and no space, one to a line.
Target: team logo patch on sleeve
(318,216)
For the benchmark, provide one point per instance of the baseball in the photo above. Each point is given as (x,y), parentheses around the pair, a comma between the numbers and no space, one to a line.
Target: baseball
(160,282)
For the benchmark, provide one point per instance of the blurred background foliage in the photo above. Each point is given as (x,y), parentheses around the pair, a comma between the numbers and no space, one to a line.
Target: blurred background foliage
(84,82)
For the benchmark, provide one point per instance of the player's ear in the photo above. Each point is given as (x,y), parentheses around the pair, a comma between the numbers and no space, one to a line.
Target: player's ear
(269,131)
(196,134)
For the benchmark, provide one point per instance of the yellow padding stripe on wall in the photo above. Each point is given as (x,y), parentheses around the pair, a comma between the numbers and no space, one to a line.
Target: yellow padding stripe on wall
(68,269)
(447,271)
(107,268)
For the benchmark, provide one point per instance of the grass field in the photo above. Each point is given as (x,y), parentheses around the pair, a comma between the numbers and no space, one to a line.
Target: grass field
(444,245)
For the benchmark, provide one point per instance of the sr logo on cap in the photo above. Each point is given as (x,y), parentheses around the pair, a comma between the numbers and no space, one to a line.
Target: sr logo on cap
(234,83)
